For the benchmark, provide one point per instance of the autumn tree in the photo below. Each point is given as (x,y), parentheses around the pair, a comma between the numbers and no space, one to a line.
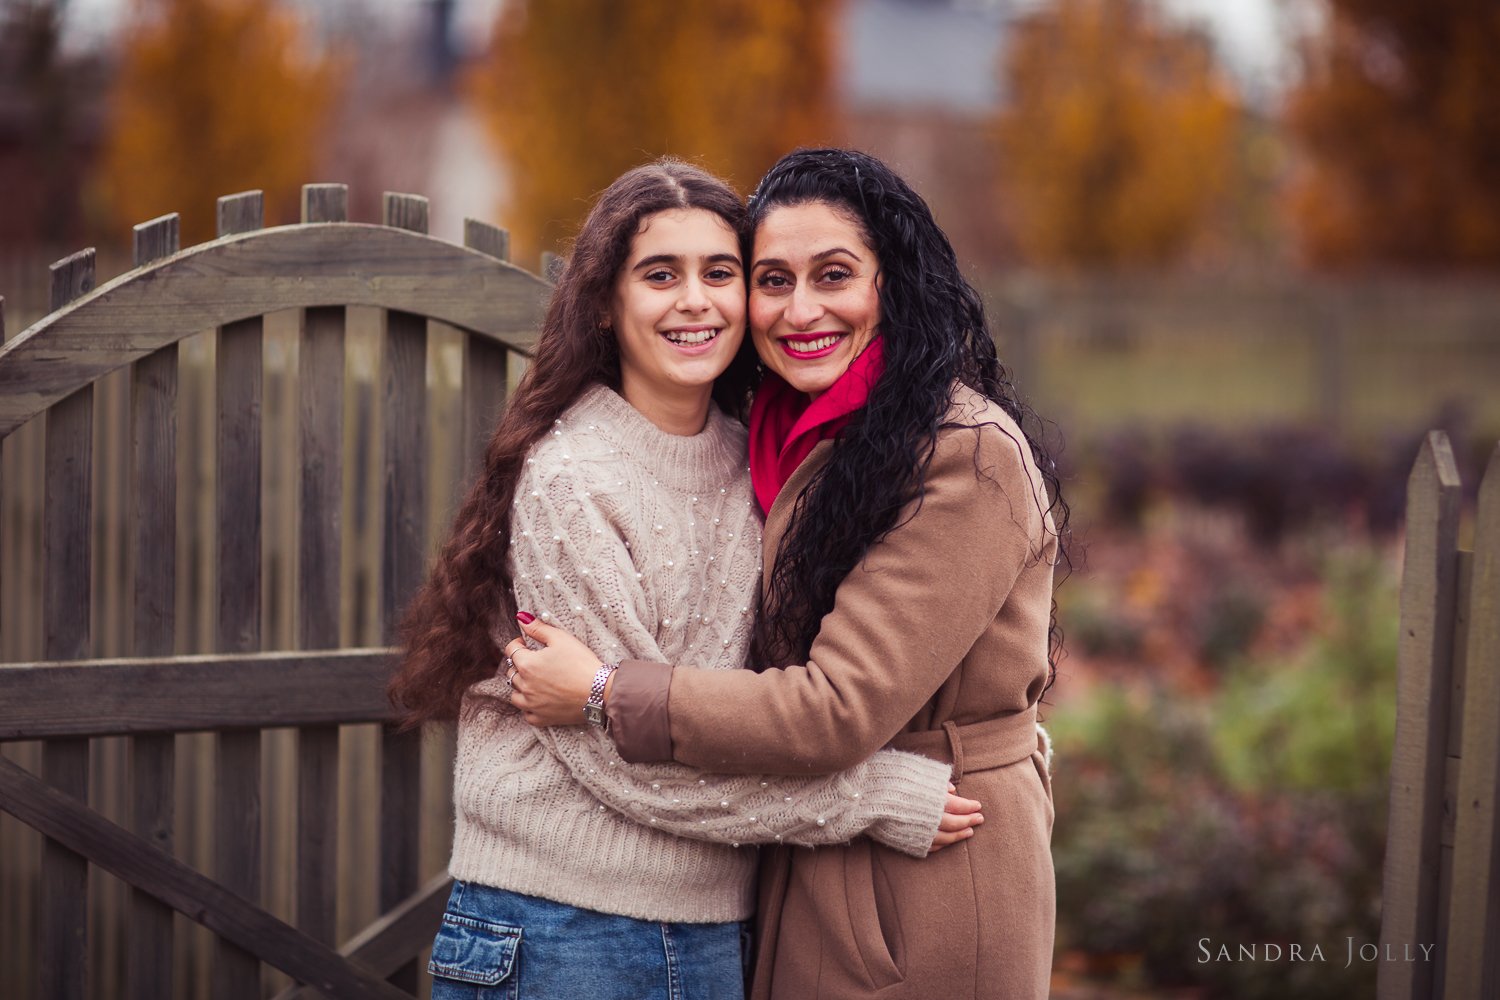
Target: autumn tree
(1117,137)
(577,91)
(1398,119)
(213,97)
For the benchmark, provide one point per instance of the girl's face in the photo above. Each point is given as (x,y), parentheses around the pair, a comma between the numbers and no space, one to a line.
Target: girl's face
(814,294)
(678,307)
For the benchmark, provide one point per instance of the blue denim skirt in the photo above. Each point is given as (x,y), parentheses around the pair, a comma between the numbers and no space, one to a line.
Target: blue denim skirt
(500,945)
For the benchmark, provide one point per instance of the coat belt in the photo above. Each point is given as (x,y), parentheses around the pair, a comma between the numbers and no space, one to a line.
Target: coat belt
(978,746)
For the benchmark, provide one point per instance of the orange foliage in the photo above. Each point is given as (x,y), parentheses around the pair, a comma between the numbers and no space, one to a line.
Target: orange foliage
(577,91)
(214,97)
(1118,136)
(1399,120)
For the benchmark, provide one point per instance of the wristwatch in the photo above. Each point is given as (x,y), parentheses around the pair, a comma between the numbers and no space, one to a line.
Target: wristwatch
(593,709)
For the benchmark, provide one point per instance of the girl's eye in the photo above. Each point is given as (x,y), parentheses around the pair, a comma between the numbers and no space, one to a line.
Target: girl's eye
(720,274)
(659,276)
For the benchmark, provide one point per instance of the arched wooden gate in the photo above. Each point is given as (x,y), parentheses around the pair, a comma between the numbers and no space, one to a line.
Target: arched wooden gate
(235,680)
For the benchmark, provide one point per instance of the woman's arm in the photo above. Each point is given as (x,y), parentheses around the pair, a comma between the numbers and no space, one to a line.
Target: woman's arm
(901,622)
(570,560)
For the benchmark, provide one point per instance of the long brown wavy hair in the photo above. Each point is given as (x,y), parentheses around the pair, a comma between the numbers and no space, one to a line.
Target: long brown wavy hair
(452,626)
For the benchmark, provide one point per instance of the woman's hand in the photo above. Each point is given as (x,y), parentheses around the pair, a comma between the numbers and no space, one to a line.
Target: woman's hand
(960,817)
(550,685)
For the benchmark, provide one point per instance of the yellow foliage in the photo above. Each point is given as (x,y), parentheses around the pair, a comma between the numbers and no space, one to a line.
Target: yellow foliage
(214,97)
(578,91)
(1117,138)
(1398,118)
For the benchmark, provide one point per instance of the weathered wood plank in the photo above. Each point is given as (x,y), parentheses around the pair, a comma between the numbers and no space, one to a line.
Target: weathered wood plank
(148,960)
(66,612)
(405,211)
(400,827)
(250,274)
(240,213)
(400,933)
(325,203)
(486,386)
(193,693)
(487,239)
(320,543)
(228,915)
(1433,499)
(404,480)
(237,854)
(1473,965)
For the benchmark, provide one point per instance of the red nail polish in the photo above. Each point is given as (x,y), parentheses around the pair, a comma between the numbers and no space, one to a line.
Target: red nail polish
(525,617)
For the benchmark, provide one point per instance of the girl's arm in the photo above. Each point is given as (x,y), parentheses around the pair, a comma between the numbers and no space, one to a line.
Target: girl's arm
(569,560)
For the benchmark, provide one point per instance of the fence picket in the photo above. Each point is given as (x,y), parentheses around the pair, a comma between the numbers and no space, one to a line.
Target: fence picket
(403,549)
(319,546)
(1473,965)
(1418,763)
(66,613)
(238,370)
(148,960)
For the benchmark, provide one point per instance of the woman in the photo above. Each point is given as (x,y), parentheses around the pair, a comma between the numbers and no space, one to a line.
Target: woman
(614,494)
(910,540)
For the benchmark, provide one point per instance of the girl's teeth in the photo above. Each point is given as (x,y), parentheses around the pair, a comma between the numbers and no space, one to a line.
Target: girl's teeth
(696,337)
(808,347)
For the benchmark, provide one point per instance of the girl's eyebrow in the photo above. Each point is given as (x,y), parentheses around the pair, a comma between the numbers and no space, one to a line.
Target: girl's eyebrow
(676,259)
(831,252)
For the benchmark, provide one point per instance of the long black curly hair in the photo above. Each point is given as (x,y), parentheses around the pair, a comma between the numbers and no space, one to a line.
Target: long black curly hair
(935,333)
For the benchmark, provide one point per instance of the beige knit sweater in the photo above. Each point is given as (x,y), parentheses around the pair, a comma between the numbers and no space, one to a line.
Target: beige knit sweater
(646,545)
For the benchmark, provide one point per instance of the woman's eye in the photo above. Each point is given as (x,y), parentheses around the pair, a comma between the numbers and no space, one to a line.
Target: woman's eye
(772,281)
(837,274)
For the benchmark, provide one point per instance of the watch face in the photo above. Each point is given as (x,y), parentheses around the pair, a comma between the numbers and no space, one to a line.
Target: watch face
(594,714)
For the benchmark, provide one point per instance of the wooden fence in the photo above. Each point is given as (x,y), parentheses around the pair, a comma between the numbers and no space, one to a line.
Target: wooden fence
(1440,934)
(183,448)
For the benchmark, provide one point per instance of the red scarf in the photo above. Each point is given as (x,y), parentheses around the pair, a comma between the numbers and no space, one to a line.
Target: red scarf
(785,425)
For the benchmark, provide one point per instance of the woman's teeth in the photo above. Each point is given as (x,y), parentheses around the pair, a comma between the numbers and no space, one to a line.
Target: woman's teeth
(693,337)
(809,346)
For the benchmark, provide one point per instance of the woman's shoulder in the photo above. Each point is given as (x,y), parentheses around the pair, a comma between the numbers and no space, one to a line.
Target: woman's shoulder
(972,413)
(979,440)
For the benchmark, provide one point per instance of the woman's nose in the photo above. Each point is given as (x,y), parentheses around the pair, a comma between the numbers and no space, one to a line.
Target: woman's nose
(803,310)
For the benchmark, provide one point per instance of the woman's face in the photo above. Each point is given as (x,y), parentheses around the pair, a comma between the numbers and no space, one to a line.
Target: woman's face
(678,307)
(814,294)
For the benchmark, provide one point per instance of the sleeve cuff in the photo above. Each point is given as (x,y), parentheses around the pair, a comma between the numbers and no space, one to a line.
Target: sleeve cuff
(637,710)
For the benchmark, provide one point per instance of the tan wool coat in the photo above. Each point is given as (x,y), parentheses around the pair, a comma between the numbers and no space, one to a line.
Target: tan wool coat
(937,643)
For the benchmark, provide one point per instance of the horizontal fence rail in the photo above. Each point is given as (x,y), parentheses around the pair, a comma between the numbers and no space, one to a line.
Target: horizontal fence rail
(180,694)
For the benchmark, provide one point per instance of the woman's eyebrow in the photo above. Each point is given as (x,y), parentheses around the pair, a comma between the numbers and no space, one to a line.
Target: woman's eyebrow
(830,252)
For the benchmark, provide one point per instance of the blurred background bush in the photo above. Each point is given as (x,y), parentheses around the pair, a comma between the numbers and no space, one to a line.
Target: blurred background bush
(1241,254)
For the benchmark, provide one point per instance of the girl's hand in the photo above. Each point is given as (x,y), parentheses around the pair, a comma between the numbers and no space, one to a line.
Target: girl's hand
(550,685)
(960,817)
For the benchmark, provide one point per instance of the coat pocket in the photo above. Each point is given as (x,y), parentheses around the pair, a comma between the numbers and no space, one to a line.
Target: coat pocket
(874,927)
(474,951)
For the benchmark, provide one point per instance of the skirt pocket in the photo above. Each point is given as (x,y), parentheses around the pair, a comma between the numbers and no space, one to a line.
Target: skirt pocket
(480,952)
